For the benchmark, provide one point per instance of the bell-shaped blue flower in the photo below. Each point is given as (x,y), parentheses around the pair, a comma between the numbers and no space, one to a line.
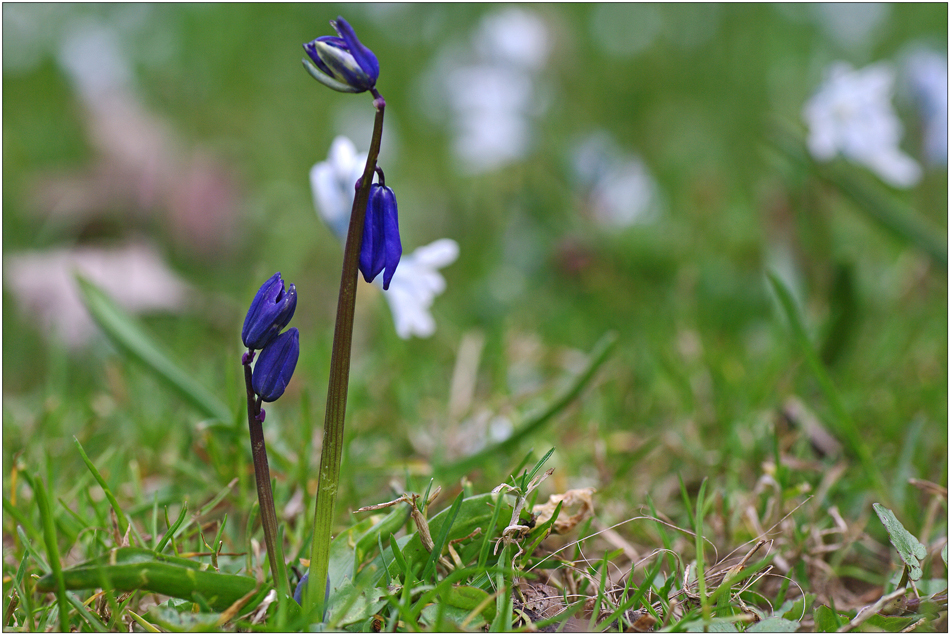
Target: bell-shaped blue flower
(298,592)
(270,311)
(381,247)
(342,63)
(276,366)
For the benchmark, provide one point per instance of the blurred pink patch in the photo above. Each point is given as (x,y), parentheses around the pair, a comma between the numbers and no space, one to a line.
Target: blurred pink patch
(142,168)
(134,275)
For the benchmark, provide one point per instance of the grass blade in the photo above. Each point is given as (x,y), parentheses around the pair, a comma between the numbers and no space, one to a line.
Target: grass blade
(91,619)
(439,543)
(487,541)
(700,552)
(841,420)
(888,213)
(880,206)
(123,521)
(52,552)
(148,626)
(130,337)
(597,357)
(130,568)
(174,528)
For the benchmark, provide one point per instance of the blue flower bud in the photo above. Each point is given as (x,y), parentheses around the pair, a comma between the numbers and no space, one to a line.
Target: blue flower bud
(381,247)
(298,592)
(276,366)
(342,63)
(270,312)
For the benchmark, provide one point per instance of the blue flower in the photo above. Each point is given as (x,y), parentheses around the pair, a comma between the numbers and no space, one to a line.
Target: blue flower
(298,592)
(381,247)
(276,366)
(342,63)
(417,282)
(270,312)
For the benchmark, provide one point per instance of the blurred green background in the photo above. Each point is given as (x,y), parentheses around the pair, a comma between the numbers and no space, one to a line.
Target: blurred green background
(705,363)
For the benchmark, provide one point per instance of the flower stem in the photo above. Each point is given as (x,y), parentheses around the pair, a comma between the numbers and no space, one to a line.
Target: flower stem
(264,493)
(332,453)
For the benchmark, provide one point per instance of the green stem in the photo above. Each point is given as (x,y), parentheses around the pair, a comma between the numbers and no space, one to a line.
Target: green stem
(331,455)
(264,493)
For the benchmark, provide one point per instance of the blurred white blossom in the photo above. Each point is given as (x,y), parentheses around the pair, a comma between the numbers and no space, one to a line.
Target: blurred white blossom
(92,56)
(617,186)
(417,280)
(134,275)
(927,78)
(513,37)
(416,284)
(851,114)
(491,89)
(333,184)
(854,25)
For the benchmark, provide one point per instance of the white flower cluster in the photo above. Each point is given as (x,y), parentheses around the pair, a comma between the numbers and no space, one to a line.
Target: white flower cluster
(491,89)
(333,184)
(851,114)
(927,77)
(417,280)
(618,187)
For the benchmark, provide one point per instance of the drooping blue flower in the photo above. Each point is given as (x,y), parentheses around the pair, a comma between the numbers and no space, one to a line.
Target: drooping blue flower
(417,282)
(342,63)
(276,365)
(298,592)
(381,247)
(270,311)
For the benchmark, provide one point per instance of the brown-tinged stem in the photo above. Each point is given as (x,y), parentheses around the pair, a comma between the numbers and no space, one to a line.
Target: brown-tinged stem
(264,493)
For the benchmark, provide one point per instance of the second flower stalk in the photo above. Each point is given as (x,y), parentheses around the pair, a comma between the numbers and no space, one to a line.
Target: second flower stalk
(271,310)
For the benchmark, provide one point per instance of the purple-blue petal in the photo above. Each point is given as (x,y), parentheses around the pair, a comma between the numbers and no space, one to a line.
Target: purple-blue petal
(376,202)
(381,247)
(315,57)
(372,237)
(392,247)
(363,56)
(270,311)
(276,365)
(298,592)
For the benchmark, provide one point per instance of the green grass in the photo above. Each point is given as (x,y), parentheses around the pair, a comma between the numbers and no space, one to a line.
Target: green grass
(668,365)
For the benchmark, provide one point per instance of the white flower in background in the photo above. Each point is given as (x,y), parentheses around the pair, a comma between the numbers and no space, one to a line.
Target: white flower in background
(491,126)
(135,275)
(927,78)
(513,37)
(415,285)
(491,89)
(417,280)
(92,56)
(854,25)
(333,184)
(852,114)
(617,185)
